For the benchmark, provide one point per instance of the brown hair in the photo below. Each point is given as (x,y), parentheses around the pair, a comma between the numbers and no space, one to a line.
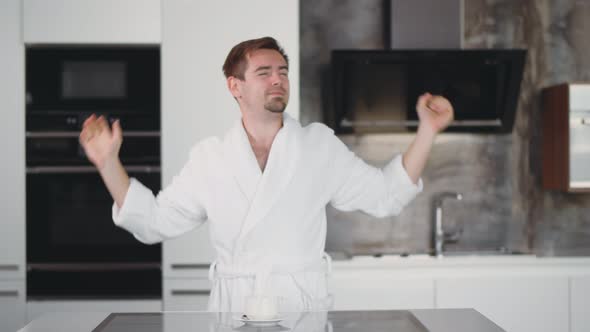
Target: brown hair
(236,62)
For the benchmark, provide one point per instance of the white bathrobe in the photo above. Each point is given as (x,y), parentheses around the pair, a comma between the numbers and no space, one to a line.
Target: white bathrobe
(269,225)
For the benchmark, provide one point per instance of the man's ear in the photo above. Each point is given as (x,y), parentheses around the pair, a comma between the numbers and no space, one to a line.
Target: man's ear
(233,85)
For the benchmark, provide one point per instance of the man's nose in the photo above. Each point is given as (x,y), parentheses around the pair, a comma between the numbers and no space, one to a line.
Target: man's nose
(276,79)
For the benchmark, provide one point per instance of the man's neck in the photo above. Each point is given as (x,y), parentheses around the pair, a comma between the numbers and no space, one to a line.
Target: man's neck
(262,130)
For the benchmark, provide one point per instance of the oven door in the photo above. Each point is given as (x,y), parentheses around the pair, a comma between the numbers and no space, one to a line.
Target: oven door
(69,217)
(74,250)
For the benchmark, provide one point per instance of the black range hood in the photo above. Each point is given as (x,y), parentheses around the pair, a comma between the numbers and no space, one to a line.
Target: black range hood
(377,90)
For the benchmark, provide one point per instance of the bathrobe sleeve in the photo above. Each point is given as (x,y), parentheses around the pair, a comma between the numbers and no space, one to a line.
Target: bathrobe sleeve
(359,186)
(175,210)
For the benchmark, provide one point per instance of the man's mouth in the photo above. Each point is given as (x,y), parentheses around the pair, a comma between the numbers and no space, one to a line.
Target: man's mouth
(276,93)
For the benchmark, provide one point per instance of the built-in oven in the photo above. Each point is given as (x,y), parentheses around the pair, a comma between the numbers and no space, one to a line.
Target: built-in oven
(74,250)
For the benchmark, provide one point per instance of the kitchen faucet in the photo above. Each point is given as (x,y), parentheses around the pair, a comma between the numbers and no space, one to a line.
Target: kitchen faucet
(439,237)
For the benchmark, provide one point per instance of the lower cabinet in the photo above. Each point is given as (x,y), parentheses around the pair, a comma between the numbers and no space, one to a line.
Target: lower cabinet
(580,303)
(12,305)
(523,303)
(186,294)
(370,290)
(37,308)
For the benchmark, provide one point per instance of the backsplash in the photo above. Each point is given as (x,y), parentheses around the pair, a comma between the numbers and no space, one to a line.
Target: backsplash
(498,175)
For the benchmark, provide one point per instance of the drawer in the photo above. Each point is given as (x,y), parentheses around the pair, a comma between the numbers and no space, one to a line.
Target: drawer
(186,294)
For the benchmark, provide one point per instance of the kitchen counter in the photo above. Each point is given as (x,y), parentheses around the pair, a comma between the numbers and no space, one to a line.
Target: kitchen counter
(462,264)
(426,320)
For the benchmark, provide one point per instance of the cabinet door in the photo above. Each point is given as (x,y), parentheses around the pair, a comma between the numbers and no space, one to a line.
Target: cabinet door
(579,122)
(195,101)
(94,21)
(515,303)
(186,294)
(12,143)
(189,255)
(580,303)
(12,305)
(370,290)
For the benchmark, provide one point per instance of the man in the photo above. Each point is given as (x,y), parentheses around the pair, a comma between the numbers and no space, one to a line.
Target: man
(264,186)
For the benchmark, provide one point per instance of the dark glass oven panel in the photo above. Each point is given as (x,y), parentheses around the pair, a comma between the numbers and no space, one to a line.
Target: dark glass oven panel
(94,79)
(101,284)
(69,220)
(87,79)
(51,151)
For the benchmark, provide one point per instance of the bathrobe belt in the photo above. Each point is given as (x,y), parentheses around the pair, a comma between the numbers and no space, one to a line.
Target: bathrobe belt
(227,272)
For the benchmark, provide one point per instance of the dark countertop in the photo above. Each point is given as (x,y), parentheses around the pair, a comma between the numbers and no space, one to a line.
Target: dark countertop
(433,320)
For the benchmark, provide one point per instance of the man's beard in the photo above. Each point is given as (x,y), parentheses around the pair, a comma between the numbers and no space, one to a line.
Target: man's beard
(276,105)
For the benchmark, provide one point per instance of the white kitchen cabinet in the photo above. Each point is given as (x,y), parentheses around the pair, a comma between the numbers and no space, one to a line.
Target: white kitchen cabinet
(189,255)
(12,143)
(519,303)
(186,294)
(92,22)
(37,308)
(580,303)
(374,290)
(12,305)
(196,38)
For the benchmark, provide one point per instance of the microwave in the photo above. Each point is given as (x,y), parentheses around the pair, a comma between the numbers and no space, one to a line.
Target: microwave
(65,84)
(375,91)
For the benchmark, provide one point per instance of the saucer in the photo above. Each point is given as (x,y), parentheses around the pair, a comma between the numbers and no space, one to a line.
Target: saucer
(259,322)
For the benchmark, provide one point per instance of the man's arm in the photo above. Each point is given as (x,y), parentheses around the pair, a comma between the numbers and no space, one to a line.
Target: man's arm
(102,146)
(435,114)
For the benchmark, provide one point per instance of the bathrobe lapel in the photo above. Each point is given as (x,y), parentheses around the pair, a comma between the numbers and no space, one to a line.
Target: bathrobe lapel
(262,189)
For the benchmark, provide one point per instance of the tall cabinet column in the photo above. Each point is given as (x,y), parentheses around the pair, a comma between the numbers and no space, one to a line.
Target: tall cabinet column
(196,38)
(12,174)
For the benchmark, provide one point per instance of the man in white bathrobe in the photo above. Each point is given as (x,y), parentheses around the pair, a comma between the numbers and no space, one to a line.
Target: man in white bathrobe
(264,186)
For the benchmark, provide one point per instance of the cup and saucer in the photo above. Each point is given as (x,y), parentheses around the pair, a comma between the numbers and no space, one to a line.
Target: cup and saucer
(261,311)
(260,322)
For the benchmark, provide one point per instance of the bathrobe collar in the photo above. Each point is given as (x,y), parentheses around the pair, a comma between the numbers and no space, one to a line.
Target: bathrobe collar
(262,189)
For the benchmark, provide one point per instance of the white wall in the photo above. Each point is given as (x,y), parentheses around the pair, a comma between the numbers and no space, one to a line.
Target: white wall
(196,38)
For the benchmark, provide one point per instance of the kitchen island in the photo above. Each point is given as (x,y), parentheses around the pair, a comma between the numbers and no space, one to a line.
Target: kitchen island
(423,320)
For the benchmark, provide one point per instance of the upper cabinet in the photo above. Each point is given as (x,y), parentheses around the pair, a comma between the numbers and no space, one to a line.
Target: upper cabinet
(92,22)
(566,137)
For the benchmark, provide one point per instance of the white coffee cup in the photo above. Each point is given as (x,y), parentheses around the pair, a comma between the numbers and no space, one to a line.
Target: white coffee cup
(262,307)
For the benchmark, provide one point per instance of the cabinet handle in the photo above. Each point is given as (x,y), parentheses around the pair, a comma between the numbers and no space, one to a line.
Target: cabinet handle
(189,266)
(584,122)
(189,292)
(76,134)
(8,267)
(9,293)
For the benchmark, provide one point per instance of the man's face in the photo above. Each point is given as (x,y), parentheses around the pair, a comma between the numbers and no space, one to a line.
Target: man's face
(266,82)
